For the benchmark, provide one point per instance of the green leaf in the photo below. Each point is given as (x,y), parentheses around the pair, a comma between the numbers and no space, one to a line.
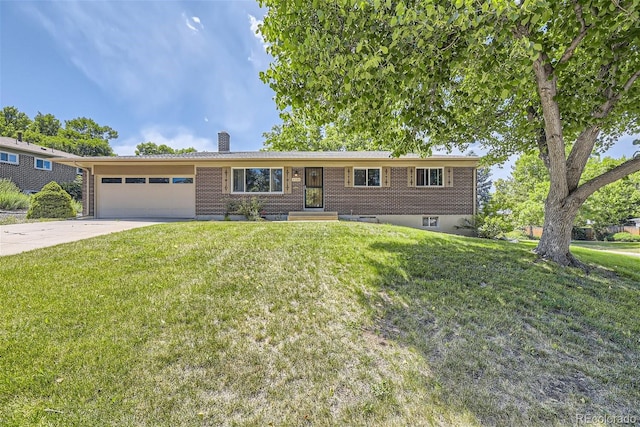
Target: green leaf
(459,4)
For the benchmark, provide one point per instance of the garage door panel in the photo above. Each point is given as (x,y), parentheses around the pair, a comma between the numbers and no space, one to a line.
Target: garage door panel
(146,200)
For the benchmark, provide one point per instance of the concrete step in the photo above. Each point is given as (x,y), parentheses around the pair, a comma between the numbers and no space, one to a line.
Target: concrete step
(312,216)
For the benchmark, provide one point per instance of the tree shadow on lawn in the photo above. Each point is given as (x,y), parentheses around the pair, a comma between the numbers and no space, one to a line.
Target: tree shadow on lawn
(510,340)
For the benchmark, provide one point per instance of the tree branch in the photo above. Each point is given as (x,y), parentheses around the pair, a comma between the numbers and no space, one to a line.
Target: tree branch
(611,102)
(593,185)
(579,155)
(547,90)
(577,39)
(541,140)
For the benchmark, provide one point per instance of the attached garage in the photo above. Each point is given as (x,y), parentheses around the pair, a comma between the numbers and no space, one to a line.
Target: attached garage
(150,191)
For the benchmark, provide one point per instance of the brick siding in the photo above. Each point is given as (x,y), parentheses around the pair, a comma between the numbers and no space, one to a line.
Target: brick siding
(88,199)
(398,199)
(211,201)
(27,177)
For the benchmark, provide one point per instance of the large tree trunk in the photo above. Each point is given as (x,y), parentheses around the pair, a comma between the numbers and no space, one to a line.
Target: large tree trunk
(556,236)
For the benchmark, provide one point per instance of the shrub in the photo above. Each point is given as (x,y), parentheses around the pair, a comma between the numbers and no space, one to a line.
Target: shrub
(11,198)
(493,227)
(251,208)
(74,188)
(625,237)
(516,235)
(579,233)
(51,202)
(8,186)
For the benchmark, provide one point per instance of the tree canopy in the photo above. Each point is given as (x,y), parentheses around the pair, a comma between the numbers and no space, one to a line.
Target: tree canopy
(522,195)
(151,148)
(555,77)
(296,134)
(81,136)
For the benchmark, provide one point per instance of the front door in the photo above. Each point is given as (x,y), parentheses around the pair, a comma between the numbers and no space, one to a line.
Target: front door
(313,195)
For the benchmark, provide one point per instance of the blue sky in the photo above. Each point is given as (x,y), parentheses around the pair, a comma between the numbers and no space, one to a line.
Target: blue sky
(171,72)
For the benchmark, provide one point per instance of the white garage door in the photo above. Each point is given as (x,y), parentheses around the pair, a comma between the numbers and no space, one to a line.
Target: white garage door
(146,197)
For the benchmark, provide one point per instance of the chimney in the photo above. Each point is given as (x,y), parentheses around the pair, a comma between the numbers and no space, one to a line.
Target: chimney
(19,136)
(223,142)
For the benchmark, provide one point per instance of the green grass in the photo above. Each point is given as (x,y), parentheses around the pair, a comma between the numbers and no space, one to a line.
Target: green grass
(206,323)
(624,247)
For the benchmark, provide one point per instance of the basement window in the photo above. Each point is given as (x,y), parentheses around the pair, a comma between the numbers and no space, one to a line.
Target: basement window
(43,164)
(10,158)
(430,221)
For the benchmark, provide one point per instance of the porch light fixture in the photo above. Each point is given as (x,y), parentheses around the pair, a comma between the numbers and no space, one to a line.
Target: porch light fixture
(296,173)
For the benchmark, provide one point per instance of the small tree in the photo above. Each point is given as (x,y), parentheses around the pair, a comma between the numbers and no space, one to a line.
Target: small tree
(51,202)
(74,188)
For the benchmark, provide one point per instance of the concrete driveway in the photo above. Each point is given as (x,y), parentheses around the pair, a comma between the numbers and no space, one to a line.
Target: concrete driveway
(16,238)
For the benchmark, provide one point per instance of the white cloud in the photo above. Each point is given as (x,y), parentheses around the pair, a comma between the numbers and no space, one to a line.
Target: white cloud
(157,62)
(254,24)
(138,53)
(193,23)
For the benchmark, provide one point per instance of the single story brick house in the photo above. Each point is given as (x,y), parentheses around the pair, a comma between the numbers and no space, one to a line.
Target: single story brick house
(432,193)
(30,166)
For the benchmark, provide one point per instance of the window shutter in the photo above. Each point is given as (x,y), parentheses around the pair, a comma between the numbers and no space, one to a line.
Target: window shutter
(386,177)
(226,180)
(287,180)
(411,176)
(348,176)
(448,177)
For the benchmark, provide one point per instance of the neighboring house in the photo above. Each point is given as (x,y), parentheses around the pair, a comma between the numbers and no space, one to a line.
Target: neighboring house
(431,193)
(30,166)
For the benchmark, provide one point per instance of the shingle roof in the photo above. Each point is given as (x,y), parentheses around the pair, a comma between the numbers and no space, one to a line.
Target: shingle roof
(333,155)
(27,147)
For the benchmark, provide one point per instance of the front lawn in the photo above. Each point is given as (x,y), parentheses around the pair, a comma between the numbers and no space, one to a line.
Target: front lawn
(206,323)
(623,247)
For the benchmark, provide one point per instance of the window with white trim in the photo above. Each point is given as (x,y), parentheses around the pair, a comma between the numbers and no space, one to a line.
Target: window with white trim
(11,158)
(257,180)
(429,177)
(42,164)
(430,221)
(367,177)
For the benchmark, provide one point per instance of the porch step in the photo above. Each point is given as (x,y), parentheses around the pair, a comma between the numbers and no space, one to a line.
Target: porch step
(312,216)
